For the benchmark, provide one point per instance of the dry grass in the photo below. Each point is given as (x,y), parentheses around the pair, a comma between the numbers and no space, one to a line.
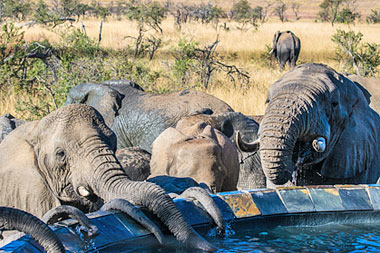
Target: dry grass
(315,40)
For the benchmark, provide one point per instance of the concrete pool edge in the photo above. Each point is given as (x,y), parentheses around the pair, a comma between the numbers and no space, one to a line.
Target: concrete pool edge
(282,206)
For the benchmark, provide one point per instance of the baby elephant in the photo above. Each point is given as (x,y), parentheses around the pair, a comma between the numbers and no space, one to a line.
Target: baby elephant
(198,151)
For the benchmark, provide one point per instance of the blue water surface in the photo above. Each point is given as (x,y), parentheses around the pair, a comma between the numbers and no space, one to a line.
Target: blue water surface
(324,238)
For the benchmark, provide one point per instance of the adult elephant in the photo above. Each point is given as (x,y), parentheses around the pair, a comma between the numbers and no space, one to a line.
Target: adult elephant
(68,158)
(251,175)
(286,48)
(198,151)
(7,124)
(138,117)
(15,219)
(318,128)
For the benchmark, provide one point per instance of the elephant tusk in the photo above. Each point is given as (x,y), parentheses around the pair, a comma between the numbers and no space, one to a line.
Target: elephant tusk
(83,191)
(319,144)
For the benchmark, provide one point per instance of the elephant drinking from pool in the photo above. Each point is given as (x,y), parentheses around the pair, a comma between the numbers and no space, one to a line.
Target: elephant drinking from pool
(318,128)
(68,157)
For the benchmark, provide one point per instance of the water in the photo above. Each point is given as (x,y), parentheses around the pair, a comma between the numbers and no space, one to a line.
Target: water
(324,238)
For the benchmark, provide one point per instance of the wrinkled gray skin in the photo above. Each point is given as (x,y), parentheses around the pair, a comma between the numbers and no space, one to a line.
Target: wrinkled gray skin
(310,102)
(7,124)
(286,48)
(198,151)
(68,158)
(251,175)
(138,117)
(135,162)
(15,219)
(371,88)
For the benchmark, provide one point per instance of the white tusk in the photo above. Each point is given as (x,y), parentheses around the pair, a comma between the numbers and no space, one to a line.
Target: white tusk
(319,144)
(83,191)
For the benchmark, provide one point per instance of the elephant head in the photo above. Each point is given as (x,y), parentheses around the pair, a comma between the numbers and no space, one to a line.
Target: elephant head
(68,157)
(15,219)
(200,152)
(318,129)
(251,175)
(138,117)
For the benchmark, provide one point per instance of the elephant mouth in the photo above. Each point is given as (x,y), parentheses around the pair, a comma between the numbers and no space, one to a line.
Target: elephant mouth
(88,203)
(308,162)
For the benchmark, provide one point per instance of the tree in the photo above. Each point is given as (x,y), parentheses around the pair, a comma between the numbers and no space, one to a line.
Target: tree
(295,7)
(243,13)
(347,16)
(374,17)
(361,58)
(333,11)
(280,11)
(15,9)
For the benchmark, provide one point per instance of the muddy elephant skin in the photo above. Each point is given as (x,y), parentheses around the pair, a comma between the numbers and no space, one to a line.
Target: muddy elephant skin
(138,117)
(251,175)
(200,152)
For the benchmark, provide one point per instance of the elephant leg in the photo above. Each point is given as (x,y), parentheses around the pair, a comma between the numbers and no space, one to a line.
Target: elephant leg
(88,229)
(135,213)
(202,195)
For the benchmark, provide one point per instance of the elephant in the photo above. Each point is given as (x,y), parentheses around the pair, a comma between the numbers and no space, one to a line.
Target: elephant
(318,128)
(370,87)
(67,158)
(7,124)
(286,48)
(251,175)
(138,117)
(198,151)
(16,219)
(136,164)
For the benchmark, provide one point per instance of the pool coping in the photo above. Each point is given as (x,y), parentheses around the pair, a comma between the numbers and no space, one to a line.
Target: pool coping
(287,205)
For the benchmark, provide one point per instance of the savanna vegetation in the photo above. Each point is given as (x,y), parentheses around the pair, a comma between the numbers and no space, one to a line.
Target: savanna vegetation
(222,48)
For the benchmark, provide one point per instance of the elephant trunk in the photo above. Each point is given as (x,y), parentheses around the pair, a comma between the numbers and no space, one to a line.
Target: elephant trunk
(111,182)
(279,131)
(14,219)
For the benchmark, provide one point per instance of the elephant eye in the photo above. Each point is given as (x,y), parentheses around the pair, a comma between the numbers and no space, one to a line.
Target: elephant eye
(60,154)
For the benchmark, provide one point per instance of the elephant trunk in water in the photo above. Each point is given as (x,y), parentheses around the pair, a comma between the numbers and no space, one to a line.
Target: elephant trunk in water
(278,132)
(110,182)
(15,219)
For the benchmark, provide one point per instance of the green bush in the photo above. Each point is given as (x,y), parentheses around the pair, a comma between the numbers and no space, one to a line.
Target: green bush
(374,17)
(360,58)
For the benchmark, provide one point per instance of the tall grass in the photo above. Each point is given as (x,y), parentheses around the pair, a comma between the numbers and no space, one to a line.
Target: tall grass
(241,48)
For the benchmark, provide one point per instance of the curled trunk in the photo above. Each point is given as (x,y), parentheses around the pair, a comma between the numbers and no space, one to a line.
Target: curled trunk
(110,182)
(279,131)
(14,219)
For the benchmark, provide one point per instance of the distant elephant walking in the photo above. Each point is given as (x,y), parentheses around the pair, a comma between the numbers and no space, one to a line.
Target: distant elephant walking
(286,48)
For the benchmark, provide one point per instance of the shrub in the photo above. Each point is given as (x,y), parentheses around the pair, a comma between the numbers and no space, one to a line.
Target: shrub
(360,58)
(374,17)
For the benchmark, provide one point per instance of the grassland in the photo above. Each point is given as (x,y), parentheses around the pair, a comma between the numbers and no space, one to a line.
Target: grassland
(241,48)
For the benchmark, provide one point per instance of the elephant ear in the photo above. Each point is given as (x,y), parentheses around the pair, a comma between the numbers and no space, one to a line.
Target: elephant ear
(356,147)
(103,98)
(161,159)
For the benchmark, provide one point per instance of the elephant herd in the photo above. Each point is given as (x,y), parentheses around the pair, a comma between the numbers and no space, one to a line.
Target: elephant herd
(113,145)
